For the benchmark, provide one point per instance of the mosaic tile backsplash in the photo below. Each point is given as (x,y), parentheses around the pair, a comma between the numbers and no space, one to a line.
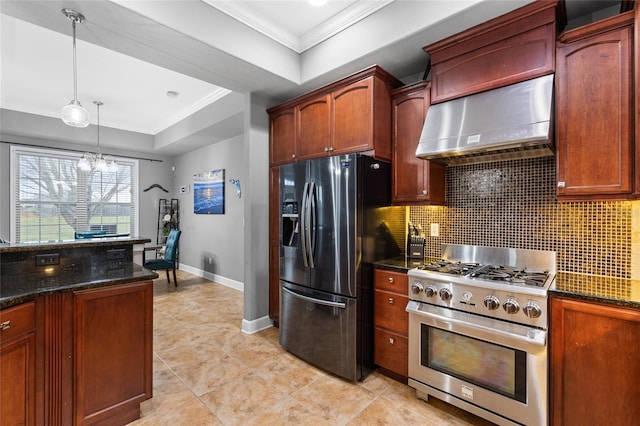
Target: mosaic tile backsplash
(512,204)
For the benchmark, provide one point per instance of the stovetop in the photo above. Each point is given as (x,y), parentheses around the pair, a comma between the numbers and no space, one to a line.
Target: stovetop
(503,283)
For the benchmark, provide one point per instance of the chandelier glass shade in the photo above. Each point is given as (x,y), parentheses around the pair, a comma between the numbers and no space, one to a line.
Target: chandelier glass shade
(74,114)
(97,162)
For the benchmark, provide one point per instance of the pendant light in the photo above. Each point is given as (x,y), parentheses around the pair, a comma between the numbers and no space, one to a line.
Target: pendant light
(97,162)
(74,114)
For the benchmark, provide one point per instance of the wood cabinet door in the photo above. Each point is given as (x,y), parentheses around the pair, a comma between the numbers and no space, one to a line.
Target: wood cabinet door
(391,351)
(113,352)
(414,179)
(18,365)
(593,110)
(274,245)
(314,128)
(282,137)
(594,364)
(352,118)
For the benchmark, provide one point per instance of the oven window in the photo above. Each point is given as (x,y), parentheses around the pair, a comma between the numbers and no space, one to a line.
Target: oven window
(494,367)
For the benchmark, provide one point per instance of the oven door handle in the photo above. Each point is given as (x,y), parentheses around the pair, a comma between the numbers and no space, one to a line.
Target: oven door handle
(533,335)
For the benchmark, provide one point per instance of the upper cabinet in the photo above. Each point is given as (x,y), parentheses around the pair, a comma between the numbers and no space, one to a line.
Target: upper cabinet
(511,48)
(350,115)
(283,136)
(414,180)
(594,111)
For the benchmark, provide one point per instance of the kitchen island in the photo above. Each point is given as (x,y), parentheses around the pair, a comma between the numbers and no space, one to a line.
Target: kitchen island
(76,334)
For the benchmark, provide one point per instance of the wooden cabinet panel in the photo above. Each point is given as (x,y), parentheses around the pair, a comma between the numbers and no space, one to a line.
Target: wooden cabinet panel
(18,365)
(595,364)
(391,322)
(594,111)
(414,180)
(391,351)
(352,114)
(389,311)
(314,127)
(113,352)
(390,281)
(283,136)
(274,244)
(514,47)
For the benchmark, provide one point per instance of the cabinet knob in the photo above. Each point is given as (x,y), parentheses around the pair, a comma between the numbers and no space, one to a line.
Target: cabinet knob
(293,156)
(392,340)
(5,324)
(392,301)
(424,192)
(391,280)
(326,149)
(561,184)
(331,148)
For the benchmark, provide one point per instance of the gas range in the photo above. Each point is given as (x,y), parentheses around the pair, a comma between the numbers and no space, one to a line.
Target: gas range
(501,283)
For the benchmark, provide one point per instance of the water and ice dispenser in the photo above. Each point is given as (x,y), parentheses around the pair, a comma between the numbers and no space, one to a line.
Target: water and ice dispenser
(290,223)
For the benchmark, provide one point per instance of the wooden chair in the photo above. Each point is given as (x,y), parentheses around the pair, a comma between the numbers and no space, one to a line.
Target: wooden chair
(168,261)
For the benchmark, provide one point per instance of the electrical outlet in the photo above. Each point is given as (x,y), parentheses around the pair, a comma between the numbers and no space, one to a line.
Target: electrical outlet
(47,259)
(435,230)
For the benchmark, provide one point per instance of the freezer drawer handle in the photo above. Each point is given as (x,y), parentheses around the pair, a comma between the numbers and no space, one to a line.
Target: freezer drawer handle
(314,300)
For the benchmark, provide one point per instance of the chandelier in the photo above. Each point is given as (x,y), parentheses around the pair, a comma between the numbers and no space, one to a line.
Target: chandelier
(74,114)
(97,162)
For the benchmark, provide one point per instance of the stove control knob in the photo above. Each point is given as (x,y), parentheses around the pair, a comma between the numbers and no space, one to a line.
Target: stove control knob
(417,288)
(430,291)
(445,294)
(510,306)
(532,310)
(491,303)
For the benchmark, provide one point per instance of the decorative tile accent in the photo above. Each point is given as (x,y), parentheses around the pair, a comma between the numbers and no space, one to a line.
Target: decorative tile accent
(512,204)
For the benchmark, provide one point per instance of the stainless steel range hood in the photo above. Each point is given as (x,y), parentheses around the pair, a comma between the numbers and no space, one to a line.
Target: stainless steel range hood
(501,124)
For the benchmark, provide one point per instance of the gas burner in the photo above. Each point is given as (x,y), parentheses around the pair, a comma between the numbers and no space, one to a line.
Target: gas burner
(511,275)
(451,268)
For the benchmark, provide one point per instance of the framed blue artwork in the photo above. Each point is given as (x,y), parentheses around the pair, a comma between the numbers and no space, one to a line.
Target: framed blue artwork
(208,192)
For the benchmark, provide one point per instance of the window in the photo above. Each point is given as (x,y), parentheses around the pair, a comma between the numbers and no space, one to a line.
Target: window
(51,199)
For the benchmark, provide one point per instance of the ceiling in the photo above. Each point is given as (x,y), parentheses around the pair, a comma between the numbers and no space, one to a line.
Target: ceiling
(131,53)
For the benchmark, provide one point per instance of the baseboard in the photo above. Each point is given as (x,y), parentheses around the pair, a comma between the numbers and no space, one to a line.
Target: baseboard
(254,326)
(237,285)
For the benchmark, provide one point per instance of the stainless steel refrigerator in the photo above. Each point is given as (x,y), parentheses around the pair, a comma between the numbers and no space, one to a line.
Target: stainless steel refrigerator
(328,235)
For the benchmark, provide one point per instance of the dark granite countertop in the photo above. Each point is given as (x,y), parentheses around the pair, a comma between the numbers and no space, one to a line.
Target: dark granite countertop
(69,244)
(23,288)
(623,292)
(32,270)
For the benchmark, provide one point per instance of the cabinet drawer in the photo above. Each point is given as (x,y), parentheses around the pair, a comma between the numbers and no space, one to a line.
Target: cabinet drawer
(17,320)
(391,351)
(391,281)
(389,312)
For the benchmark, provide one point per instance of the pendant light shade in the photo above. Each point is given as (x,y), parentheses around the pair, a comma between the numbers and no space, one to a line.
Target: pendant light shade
(97,162)
(74,114)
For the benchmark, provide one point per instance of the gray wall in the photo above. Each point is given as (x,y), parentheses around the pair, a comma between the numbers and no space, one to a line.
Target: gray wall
(218,237)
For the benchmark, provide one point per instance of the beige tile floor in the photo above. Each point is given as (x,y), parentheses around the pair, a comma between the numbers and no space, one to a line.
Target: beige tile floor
(207,372)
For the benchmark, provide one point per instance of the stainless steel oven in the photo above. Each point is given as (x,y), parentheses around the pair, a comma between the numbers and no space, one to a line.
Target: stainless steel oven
(489,367)
(478,342)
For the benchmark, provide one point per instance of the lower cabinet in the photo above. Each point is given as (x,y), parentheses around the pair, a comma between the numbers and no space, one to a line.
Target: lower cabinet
(113,353)
(595,364)
(18,365)
(391,323)
(77,358)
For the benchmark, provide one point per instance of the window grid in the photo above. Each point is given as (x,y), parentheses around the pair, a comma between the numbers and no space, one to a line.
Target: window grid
(52,199)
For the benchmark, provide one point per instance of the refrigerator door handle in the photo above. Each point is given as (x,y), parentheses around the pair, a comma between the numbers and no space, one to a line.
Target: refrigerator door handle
(314,300)
(304,224)
(312,223)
